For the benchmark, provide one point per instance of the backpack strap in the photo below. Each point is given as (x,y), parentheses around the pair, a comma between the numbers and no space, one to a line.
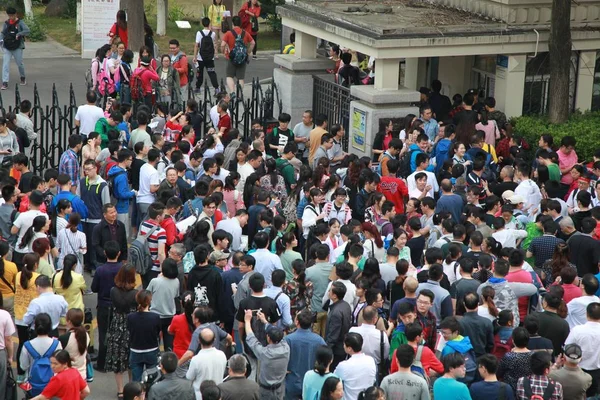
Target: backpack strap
(276,297)
(12,289)
(501,391)
(32,352)
(527,387)
(549,391)
(51,349)
(419,353)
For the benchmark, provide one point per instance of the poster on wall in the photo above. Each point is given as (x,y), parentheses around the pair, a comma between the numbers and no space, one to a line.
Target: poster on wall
(359,129)
(97,17)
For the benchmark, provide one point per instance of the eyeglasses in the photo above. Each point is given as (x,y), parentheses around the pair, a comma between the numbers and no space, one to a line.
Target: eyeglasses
(423,303)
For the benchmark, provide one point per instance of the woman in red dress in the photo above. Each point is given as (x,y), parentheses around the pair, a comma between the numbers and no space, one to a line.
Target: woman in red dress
(118,31)
(249,14)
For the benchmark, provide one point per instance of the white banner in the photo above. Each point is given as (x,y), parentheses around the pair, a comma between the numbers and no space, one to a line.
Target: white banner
(98,16)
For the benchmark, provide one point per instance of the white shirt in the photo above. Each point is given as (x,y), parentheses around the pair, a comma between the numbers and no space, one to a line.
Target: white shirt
(358,373)
(572,201)
(208,364)
(372,341)
(88,115)
(148,176)
(350,296)
(24,221)
(577,310)
(532,195)
(266,263)
(431,180)
(587,336)
(208,33)
(508,237)
(245,171)
(232,226)
(388,272)
(416,193)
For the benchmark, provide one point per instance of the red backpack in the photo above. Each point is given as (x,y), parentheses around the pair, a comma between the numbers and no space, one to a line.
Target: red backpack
(501,347)
(137,91)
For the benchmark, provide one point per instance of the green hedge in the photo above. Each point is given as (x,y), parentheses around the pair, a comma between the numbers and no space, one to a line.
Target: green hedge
(584,127)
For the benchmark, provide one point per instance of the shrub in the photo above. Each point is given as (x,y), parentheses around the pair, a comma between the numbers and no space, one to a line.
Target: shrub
(37,30)
(584,127)
(177,13)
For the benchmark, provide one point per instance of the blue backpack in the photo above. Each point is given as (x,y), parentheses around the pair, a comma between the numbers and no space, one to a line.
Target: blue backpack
(40,372)
(239,54)
(470,366)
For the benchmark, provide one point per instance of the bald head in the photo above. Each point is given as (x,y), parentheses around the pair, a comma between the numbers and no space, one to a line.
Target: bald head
(410,285)
(207,338)
(446,186)
(370,315)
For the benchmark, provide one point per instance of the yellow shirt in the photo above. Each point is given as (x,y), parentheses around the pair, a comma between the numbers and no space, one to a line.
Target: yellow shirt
(10,272)
(215,14)
(289,49)
(73,294)
(24,296)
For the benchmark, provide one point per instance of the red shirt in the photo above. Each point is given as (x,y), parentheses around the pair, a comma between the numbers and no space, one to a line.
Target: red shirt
(246,23)
(522,276)
(65,385)
(121,33)
(147,75)
(394,189)
(230,40)
(428,359)
(181,65)
(182,335)
(224,122)
(571,292)
(173,234)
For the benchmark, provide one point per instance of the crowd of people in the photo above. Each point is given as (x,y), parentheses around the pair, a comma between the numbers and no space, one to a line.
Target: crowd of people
(455,262)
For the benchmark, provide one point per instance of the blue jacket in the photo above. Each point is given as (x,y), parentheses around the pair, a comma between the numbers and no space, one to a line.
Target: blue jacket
(78,205)
(457,346)
(121,189)
(413,158)
(441,153)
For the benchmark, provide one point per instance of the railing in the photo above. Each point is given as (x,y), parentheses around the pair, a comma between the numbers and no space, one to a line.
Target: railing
(333,100)
(55,123)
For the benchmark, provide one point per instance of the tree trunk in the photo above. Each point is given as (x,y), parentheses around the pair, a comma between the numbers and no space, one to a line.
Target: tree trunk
(28,8)
(135,23)
(560,61)
(162,11)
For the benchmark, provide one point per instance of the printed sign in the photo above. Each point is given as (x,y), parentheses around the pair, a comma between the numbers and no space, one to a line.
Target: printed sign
(97,17)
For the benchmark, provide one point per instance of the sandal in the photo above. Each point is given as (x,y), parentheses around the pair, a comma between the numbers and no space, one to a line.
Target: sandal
(120,396)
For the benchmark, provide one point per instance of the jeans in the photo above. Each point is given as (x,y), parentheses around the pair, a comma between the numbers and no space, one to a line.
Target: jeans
(210,70)
(102,315)
(184,95)
(8,54)
(3,368)
(167,337)
(124,218)
(142,211)
(139,361)
(593,389)
(239,347)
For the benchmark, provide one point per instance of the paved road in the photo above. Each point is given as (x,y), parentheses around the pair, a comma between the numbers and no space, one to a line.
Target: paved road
(49,63)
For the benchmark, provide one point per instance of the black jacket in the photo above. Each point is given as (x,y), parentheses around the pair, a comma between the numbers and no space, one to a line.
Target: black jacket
(101,235)
(207,284)
(339,321)
(480,330)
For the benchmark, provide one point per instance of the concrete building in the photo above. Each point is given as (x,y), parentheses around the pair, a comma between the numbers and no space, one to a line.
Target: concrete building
(497,46)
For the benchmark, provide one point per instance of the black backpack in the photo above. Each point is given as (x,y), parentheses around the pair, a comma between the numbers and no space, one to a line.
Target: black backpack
(207,47)
(404,170)
(547,395)
(10,37)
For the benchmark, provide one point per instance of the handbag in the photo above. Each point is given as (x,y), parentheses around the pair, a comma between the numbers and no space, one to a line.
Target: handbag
(89,369)
(11,385)
(77,252)
(254,24)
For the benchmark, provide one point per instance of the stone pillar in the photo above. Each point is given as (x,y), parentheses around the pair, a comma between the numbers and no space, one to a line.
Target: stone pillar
(510,84)
(162,13)
(585,80)
(387,72)
(294,76)
(411,73)
(372,105)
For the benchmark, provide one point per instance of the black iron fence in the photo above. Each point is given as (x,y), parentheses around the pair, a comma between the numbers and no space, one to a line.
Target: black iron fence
(333,100)
(54,123)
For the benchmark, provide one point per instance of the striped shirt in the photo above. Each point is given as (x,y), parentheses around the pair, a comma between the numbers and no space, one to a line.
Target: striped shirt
(158,236)
(69,164)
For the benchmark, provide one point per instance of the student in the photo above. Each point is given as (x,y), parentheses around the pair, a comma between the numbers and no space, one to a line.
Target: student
(204,54)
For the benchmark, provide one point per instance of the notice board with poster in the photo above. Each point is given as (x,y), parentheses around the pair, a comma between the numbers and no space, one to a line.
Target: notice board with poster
(359,129)
(97,17)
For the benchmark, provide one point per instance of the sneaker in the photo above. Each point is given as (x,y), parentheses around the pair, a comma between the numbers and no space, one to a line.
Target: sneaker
(23,81)
(217,91)
(4,86)
(20,379)
(88,291)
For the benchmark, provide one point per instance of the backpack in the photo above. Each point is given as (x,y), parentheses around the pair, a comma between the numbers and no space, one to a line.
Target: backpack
(501,347)
(40,372)
(188,262)
(191,73)
(470,366)
(111,184)
(89,80)
(139,252)
(106,82)
(289,209)
(207,47)
(417,366)
(404,170)
(383,157)
(239,54)
(106,166)
(11,42)
(137,91)
(122,76)
(548,392)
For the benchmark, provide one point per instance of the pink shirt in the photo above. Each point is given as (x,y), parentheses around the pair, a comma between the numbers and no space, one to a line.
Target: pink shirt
(566,161)
(521,276)
(7,328)
(491,132)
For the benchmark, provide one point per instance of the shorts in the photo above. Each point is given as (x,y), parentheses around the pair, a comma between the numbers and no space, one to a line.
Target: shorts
(235,71)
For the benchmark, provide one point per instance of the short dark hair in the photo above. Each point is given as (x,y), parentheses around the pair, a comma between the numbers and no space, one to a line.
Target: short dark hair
(450,323)
(452,361)
(337,288)
(257,282)
(540,361)
(520,337)
(354,341)
(405,355)
(168,360)
(489,362)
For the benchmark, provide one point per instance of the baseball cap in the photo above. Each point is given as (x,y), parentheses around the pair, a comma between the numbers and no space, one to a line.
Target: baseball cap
(507,195)
(516,199)
(218,255)
(573,352)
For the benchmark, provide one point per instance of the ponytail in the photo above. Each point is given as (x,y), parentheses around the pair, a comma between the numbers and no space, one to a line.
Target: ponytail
(37,225)
(67,278)
(282,242)
(487,296)
(4,248)
(74,220)
(30,262)
(187,302)
(76,316)
(26,237)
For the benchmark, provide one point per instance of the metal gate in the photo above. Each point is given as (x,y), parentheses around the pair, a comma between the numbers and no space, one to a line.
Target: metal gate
(333,100)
